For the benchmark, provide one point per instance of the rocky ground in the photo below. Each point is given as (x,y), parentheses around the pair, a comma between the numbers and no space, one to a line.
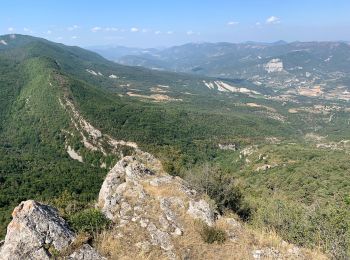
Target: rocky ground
(154,216)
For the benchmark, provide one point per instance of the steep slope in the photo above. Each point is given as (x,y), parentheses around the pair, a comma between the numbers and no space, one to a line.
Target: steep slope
(47,144)
(148,220)
(34,160)
(65,122)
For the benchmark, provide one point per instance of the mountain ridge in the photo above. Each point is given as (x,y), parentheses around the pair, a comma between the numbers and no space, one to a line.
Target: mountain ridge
(69,117)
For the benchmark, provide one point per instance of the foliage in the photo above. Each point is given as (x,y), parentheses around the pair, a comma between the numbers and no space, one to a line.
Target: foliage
(89,220)
(305,198)
(213,234)
(221,187)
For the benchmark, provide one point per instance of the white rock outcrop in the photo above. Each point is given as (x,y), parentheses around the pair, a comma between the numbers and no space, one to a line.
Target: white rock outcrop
(201,210)
(154,214)
(34,229)
(156,202)
(274,65)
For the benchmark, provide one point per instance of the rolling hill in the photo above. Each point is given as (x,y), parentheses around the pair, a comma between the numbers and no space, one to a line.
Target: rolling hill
(68,114)
(300,68)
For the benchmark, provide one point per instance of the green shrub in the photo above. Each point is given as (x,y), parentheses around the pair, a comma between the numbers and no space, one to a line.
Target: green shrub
(221,187)
(89,220)
(211,235)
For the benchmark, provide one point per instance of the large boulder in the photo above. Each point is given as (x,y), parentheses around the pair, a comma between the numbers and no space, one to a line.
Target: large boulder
(35,227)
(36,231)
(201,210)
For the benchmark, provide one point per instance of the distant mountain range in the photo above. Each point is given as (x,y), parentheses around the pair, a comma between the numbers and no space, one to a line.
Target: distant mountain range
(269,132)
(317,66)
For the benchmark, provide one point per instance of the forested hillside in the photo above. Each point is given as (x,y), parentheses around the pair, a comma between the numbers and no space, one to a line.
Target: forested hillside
(280,165)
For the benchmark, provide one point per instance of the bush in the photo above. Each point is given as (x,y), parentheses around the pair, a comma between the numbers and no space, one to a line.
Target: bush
(220,187)
(89,220)
(211,235)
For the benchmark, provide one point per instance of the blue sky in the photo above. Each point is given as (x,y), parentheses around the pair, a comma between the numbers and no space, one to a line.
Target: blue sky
(154,23)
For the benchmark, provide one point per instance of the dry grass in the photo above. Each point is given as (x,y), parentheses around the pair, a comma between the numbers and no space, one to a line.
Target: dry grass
(114,246)
(164,190)
(81,239)
(120,242)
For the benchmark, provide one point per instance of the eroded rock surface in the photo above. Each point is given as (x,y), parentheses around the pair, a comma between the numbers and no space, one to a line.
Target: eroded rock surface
(136,190)
(154,216)
(274,65)
(35,230)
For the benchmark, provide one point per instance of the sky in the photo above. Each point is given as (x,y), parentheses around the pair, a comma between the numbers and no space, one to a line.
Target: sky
(162,23)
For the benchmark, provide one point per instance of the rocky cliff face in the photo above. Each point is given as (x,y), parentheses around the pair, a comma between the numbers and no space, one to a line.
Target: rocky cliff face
(156,204)
(155,216)
(274,65)
(37,231)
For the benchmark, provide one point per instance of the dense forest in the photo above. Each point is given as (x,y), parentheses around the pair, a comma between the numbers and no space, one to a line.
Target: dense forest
(302,190)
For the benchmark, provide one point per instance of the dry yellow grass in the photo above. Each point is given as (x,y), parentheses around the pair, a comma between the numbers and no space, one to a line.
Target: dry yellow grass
(121,242)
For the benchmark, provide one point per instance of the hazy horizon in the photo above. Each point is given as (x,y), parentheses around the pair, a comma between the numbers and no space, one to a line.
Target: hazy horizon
(163,23)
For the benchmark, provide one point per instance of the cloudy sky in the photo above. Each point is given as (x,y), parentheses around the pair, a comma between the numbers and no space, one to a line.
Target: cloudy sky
(155,23)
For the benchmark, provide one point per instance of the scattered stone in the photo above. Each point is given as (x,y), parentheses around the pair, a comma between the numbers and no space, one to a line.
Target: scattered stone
(201,210)
(232,147)
(160,238)
(144,222)
(86,252)
(267,253)
(265,167)
(145,246)
(161,181)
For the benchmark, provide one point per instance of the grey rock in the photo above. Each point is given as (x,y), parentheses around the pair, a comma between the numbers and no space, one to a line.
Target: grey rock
(233,227)
(177,232)
(267,253)
(127,171)
(201,210)
(144,222)
(86,252)
(159,237)
(167,205)
(34,228)
(161,181)
(163,222)
(145,246)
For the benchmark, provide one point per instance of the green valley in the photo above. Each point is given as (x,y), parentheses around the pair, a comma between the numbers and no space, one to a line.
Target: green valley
(67,116)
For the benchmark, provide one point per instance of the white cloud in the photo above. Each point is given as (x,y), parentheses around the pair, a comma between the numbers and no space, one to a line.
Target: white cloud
(169,32)
(258,23)
(73,28)
(27,30)
(74,37)
(190,32)
(96,29)
(232,23)
(49,32)
(273,20)
(59,38)
(111,29)
(10,29)
(157,32)
(134,29)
